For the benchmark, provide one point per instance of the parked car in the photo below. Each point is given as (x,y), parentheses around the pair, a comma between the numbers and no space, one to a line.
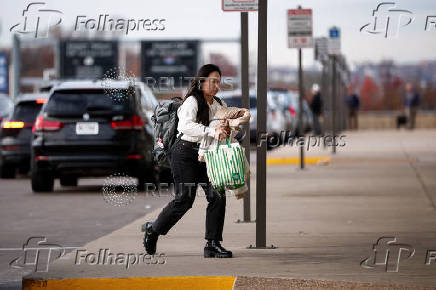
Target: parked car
(275,119)
(6,106)
(16,134)
(84,131)
(288,103)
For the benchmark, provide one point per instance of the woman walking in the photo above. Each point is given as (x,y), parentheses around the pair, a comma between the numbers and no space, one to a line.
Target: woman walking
(198,108)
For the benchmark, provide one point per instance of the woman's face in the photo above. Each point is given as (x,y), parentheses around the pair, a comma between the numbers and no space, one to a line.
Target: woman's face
(211,84)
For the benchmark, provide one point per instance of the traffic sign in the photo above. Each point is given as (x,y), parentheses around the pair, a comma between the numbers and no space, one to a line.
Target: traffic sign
(334,43)
(87,59)
(300,28)
(240,5)
(4,88)
(321,49)
(169,59)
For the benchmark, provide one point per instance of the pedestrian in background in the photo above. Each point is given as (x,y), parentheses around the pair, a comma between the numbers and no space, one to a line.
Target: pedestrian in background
(316,105)
(411,103)
(353,104)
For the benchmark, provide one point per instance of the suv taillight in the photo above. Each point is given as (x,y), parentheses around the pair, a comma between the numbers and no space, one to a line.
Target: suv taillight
(12,125)
(16,125)
(42,125)
(134,123)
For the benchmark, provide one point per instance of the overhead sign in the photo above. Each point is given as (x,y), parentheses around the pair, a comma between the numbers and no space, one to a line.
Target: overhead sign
(4,88)
(85,59)
(169,59)
(300,28)
(240,5)
(334,43)
(321,49)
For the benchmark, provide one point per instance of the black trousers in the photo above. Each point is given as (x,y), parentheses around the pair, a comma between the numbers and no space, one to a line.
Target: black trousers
(188,173)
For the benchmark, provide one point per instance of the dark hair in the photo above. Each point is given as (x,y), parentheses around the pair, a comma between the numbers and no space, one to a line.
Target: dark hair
(195,90)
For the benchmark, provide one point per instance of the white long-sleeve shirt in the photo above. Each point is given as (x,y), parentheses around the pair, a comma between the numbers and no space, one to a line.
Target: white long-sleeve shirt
(187,114)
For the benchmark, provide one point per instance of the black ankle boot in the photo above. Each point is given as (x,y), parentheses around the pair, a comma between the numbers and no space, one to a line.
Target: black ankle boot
(150,238)
(213,249)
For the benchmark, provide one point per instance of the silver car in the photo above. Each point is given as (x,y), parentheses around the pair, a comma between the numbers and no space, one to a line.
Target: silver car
(275,118)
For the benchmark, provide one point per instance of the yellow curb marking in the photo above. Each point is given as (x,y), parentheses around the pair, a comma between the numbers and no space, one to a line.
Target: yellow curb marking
(324,160)
(210,283)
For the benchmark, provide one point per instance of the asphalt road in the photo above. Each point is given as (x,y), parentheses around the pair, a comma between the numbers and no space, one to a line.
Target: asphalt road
(69,216)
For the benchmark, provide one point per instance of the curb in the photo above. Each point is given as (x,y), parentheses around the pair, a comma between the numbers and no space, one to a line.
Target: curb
(322,160)
(170,282)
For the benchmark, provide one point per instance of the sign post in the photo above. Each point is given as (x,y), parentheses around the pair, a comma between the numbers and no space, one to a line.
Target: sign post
(334,49)
(245,102)
(262,74)
(238,5)
(300,36)
(16,61)
(244,7)
(321,55)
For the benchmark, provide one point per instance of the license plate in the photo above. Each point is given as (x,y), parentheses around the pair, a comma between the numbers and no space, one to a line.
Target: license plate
(86,128)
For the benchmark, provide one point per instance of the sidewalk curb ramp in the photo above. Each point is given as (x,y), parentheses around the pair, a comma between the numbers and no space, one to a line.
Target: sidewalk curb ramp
(194,282)
(321,160)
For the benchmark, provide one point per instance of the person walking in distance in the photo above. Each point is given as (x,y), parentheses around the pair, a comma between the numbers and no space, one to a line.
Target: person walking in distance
(411,103)
(198,108)
(316,107)
(353,104)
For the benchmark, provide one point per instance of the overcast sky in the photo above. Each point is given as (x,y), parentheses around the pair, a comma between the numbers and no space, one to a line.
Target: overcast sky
(205,19)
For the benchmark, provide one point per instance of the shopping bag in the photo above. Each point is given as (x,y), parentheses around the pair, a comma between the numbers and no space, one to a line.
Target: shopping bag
(226,166)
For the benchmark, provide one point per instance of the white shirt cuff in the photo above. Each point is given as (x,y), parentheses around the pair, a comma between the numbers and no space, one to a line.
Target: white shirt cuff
(211,132)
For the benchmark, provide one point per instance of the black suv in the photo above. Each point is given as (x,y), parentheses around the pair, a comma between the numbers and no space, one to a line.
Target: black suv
(91,129)
(16,134)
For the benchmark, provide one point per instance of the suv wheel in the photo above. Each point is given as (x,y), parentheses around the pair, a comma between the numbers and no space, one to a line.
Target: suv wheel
(68,181)
(7,171)
(42,180)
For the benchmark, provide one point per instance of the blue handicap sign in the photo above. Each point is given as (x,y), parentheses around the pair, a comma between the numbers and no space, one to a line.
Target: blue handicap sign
(334,33)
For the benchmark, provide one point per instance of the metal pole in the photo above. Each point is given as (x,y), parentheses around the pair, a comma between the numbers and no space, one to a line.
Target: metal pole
(324,92)
(57,57)
(334,93)
(261,125)
(300,106)
(245,103)
(17,65)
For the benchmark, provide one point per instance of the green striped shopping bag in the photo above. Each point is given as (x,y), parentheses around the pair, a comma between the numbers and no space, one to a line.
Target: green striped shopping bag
(226,166)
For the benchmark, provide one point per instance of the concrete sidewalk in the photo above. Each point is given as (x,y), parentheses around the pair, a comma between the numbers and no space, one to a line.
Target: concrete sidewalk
(323,220)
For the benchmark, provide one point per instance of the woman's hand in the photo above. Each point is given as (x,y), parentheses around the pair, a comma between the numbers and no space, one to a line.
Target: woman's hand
(220,132)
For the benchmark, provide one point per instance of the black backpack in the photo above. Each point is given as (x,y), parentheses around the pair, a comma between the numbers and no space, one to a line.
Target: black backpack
(165,122)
